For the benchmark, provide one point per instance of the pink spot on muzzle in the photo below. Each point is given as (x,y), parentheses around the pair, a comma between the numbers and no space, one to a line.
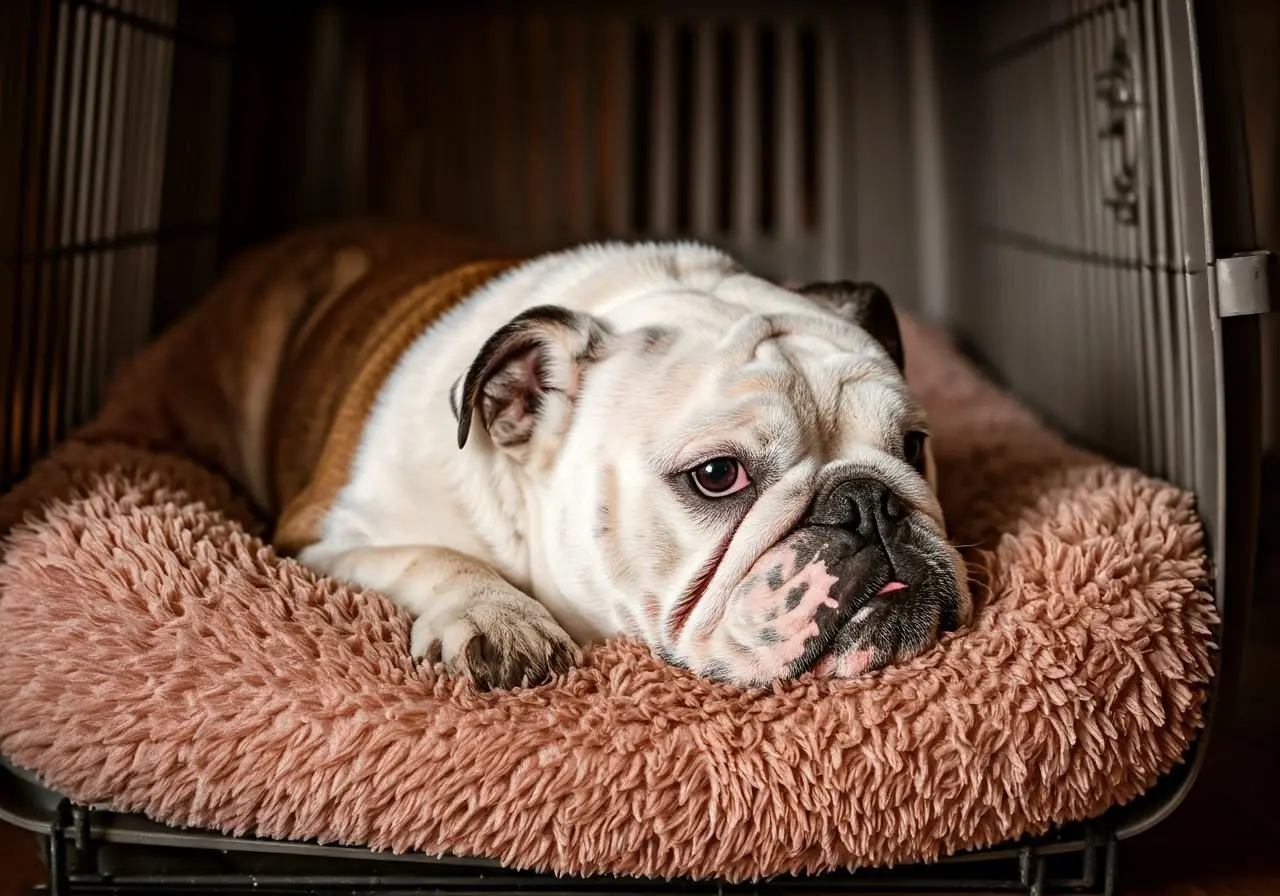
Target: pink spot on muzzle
(890,588)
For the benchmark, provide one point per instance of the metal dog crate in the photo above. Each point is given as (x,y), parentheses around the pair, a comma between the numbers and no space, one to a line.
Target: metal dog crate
(1061,183)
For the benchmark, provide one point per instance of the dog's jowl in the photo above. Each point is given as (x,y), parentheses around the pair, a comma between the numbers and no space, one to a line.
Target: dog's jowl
(531,455)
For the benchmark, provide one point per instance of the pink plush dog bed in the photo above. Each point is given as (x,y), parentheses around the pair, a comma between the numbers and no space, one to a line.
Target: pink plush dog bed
(157,657)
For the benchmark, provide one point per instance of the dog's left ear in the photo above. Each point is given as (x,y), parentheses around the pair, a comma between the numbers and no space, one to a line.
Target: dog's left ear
(866,305)
(527,374)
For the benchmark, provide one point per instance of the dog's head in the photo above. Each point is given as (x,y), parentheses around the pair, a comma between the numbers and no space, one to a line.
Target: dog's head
(732,471)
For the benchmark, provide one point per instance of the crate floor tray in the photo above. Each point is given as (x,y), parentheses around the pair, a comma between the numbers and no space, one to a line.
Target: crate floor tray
(157,657)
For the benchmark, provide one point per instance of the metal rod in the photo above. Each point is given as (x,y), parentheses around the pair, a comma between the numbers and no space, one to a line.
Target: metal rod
(127,240)
(151,26)
(704,182)
(662,131)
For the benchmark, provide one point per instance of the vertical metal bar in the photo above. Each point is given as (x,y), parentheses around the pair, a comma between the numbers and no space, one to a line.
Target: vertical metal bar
(134,78)
(443,122)
(127,266)
(1041,879)
(1017,304)
(542,135)
(1038,199)
(573,165)
(427,143)
(1112,868)
(833,188)
(1182,388)
(87,218)
(507,195)
(788,133)
(483,187)
(1125,244)
(1026,865)
(1068,293)
(746,179)
(1028,194)
(72,222)
(459,116)
(554,119)
(467,116)
(1108,301)
(156,144)
(57,151)
(1128,395)
(1160,364)
(589,101)
(1089,860)
(615,137)
(96,270)
(37,131)
(928,152)
(1055,273)
(19,67)
(1084,197)
(704,129)
(662,184)
(114,140)
(99,278)
(1128,360)
(1007,310)
(57,850)
(1113,300)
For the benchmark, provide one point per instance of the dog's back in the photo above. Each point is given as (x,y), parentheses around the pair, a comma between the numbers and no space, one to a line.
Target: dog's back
(267,379)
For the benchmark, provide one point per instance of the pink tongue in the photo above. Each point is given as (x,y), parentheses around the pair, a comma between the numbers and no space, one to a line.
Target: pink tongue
(890,588)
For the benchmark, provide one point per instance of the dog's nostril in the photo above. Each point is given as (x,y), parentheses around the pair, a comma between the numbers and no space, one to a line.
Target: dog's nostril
(854,519)
(893,508)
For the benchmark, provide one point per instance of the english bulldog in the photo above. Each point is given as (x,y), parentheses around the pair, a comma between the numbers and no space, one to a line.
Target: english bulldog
(531,455)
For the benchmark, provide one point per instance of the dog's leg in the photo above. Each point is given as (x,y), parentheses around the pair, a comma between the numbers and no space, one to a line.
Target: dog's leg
(467,615)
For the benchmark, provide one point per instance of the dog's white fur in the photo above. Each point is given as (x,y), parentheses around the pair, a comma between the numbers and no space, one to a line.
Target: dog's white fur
(466,539)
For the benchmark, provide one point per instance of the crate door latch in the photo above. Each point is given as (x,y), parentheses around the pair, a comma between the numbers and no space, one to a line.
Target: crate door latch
(1247,284)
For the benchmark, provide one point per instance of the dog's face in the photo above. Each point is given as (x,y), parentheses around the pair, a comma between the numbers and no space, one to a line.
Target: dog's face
(746,485)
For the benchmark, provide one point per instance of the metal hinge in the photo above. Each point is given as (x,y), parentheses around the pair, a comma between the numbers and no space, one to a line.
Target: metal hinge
(1247,284)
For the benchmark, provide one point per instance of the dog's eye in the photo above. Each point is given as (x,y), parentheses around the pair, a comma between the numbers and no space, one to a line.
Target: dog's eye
(720,477)
(913,449)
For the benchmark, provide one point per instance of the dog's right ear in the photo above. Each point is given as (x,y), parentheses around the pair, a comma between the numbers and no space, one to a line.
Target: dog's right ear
(866,305)
(524,381)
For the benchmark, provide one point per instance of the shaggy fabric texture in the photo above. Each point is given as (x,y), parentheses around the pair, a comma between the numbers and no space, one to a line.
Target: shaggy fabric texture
(158,657)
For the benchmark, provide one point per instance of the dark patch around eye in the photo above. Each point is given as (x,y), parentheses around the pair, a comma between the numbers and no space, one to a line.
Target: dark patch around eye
(713,513)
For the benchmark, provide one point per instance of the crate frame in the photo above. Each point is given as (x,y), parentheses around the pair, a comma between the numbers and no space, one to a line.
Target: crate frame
(1227,367)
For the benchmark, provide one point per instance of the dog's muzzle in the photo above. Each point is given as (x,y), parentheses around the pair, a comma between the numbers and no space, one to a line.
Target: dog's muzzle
(861,582)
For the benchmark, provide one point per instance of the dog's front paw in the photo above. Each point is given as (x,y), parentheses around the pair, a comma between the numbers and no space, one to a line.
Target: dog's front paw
(498,640)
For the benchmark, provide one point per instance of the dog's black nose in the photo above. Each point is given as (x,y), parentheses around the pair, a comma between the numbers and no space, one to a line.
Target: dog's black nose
(866,507)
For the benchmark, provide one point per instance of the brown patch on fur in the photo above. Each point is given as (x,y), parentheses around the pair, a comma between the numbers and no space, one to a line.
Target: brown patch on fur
(228,404)
(330,404)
